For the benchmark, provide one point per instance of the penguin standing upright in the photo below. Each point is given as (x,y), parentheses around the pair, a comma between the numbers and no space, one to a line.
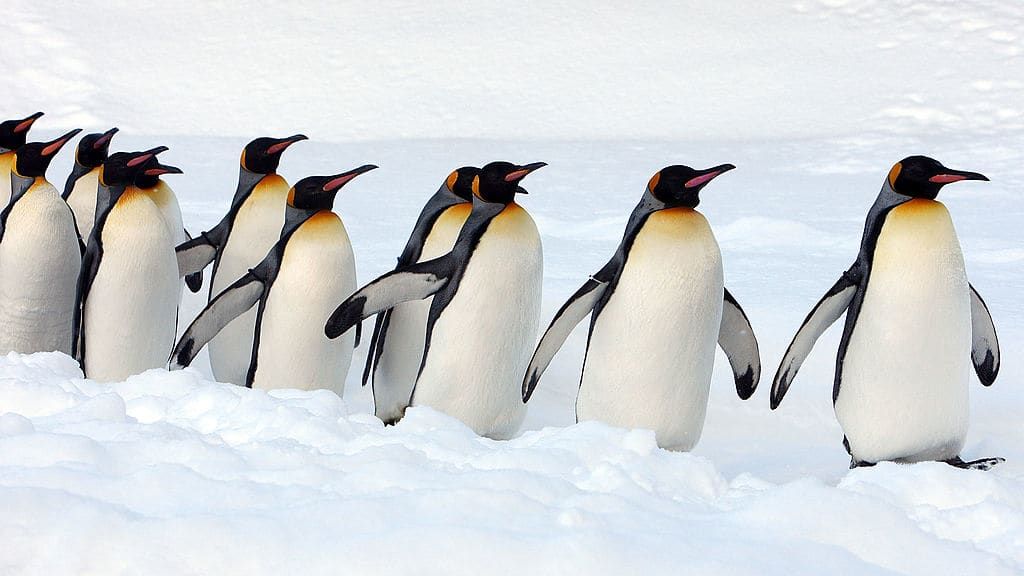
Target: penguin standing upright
(129,286)
(239,242)
(396,347)
(12,136)
(295,286)
(659,306)
(485,309)
(40,257)
(913,326)
(80,188)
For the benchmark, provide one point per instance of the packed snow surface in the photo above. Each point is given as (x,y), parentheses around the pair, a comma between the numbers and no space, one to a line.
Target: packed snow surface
(172,473)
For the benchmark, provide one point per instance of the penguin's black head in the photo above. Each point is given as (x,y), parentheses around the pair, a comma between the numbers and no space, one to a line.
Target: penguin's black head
(318,192)
(34,158)
(14,132)
(923,177)
(121,168)
(150,172)
(499,181)
(679,186)
(262,155)
(460,182)
(93,148)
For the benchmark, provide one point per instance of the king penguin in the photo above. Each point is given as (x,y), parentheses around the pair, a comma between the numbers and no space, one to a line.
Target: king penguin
(239,242)
(129,286)
(913,326)
(80,188)
(657,309)
(40,257)
(485,308)
(293,289)
(13,134)
(396,347)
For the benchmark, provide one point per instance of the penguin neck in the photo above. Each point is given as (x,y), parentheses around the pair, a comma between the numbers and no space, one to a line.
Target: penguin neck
(106,199)
(5,151)
(295,217)
(21,184)
(887,200)
(479,219)
(247,182)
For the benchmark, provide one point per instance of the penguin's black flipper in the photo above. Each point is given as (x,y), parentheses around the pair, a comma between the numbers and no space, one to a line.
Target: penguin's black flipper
(196,254)
(228,305)
(984,343)
(376,345)
(414,282)
(193,281)
(568,316)
(737,340)
(90,267)
(828,310)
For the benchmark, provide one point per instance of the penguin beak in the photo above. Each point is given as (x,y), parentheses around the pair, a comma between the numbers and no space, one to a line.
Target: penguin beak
(340,180)
(27,123)
(161,169)
(54,146)
(949,176)
(708,175)
(522,172)
(105,139)
(284,143)
(141,157)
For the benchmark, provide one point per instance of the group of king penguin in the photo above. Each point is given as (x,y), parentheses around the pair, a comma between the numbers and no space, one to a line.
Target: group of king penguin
(98,272)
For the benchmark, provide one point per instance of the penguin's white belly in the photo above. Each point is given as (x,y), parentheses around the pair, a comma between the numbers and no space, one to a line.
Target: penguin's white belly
(256,229)
(131,309)
(83,202)
(482,342)
(39,264)
(317,272)
(395,374)
(6,164)
(903,392)
(652,348)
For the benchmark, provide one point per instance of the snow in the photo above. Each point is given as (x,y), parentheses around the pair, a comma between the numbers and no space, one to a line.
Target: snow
(171,473)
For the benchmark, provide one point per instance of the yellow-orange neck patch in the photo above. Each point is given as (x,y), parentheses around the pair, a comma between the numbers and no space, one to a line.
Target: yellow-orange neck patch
(654,181)
(894,173)
(450,182)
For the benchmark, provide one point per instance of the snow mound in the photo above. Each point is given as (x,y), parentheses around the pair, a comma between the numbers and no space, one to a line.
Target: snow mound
(168,473)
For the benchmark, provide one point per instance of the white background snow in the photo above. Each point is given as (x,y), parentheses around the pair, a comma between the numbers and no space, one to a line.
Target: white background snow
(812,100)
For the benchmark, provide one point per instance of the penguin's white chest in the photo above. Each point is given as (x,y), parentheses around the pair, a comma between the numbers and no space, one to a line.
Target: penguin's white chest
(39,264)
(652,348)
(903,391)
(6,165)
(481,343)
(83,202)
(399,362)
(317,271)
(255,230)
(131,309)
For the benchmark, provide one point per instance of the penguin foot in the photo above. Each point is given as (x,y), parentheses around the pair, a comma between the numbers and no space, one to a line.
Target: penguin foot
(979,464)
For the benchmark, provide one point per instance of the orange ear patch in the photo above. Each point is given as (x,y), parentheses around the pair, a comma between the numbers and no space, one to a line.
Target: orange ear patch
(291,197)
(476,186)
(450,182)
(894,174)
(654,181)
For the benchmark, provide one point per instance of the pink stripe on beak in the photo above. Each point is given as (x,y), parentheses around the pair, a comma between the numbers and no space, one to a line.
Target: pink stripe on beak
(694,182)
(338,182)
(136,161)
(946,178)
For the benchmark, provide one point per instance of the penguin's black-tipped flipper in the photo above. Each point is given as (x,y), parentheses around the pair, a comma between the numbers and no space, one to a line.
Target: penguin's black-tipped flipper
(376,344)
(228,305)
(984,343)
(736,337)
(196,254)
(828,310)
(575,309)
(194,281)
(414,282)
(90,266)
